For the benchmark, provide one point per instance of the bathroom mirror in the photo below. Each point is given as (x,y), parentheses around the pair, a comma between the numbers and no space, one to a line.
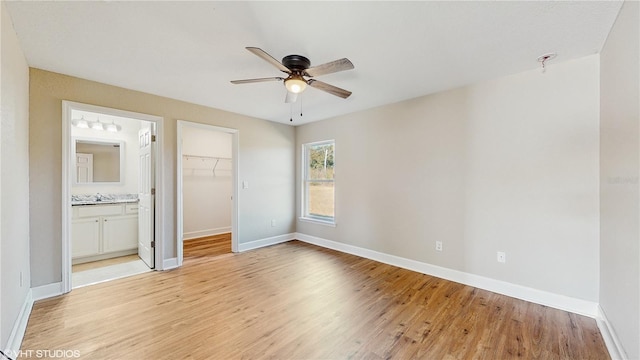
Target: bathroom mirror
(97,161)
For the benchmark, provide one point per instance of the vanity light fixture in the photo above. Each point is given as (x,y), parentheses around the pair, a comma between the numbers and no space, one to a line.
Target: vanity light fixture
(113,127)
(97,125)
(80,123)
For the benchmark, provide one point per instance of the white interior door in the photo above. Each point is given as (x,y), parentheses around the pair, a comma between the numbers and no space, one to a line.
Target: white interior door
(146,194)
(84,168)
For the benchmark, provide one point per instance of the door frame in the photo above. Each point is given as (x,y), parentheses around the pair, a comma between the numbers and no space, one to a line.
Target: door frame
(181,124)
(67,107)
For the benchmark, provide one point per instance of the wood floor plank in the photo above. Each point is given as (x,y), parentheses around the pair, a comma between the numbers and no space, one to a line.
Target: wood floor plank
(299,301)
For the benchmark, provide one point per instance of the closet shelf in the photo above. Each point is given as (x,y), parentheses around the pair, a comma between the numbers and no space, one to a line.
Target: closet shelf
(215,159)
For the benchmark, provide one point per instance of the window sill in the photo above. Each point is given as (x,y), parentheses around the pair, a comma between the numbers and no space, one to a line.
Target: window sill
(317,221)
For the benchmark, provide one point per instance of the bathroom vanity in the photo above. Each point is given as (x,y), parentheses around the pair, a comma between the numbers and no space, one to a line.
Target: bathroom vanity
(103,229)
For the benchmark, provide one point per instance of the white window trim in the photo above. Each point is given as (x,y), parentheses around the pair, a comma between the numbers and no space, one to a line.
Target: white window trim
(305,197)
(318,221)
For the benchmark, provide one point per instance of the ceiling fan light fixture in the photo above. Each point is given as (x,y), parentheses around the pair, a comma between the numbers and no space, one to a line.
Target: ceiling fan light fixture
(295,84)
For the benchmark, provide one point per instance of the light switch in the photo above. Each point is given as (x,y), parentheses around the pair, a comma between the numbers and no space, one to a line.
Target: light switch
(245,184)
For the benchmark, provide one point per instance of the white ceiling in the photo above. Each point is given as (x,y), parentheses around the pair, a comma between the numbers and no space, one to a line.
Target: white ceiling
(191,50)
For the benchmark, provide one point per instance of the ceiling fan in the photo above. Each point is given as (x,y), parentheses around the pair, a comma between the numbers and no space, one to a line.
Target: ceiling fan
(298,67)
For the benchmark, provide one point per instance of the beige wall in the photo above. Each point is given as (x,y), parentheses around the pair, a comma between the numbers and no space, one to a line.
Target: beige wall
(507,165)
(14,179)
(266,162)
(619,171)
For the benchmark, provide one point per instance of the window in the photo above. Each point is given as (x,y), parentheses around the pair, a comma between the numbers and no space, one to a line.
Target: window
(318,183)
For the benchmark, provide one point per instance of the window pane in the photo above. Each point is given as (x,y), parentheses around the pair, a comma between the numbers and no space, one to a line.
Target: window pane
(320,162)
(321,199)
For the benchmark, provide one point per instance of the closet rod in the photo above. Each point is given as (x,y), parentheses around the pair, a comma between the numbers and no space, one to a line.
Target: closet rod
(205,157)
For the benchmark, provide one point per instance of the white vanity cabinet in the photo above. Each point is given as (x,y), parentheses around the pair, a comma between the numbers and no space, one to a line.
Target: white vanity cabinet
(103,231)
(85,235)
(120,233)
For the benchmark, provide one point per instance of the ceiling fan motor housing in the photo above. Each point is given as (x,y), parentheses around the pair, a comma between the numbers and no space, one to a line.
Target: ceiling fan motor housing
(296,62)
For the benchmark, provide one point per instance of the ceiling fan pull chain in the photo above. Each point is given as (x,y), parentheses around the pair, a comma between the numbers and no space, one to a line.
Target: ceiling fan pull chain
(300,106)
(291,113)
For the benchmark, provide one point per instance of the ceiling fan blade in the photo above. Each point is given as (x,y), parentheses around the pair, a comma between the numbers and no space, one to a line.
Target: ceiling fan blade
(291,97)
(268,58)
(246,81)
(333,90)
(330,67)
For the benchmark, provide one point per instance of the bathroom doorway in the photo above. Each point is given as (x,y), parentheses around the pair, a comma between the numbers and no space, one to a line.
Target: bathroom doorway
(108,194)
(207,190)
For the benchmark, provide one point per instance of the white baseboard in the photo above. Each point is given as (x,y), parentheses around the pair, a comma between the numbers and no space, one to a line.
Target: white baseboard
(46,291)
(34,294)
(202,233)
(566,303)
(19,327)
(265,242)
(611,340)
(168,264)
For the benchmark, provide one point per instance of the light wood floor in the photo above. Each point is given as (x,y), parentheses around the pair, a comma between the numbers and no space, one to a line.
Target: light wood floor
(209,246)
(299,301)
(103,263)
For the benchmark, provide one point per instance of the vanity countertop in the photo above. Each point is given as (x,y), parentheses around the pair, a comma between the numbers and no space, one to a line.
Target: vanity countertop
(103,202)
(99,199)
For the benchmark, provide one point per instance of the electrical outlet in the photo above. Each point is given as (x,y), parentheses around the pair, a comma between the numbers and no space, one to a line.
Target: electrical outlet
(273,223)
(438,245)
(502,257)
